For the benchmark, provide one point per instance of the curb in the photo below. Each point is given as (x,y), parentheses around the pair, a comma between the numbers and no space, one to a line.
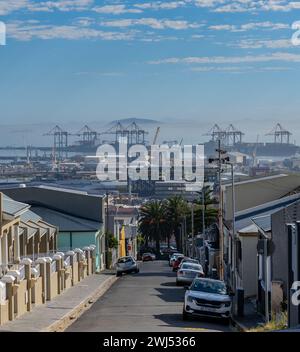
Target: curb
(62,324)
(239,326)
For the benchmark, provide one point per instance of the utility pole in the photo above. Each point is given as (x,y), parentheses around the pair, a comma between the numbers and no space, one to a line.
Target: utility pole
(203,212)
(106,231)
(221,236)
(220,161)
(193,232)
(234,260)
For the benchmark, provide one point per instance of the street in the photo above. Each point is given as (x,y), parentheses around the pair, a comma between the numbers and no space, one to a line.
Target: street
(145,302)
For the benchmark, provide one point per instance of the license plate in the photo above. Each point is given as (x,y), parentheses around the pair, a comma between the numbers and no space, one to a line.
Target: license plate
(206,309)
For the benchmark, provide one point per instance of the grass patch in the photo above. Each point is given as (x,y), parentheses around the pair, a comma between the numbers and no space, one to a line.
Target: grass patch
(278,322)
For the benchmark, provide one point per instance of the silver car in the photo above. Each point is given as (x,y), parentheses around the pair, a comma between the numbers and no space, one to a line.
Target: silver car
(209,298)
(188,272)
(126,265)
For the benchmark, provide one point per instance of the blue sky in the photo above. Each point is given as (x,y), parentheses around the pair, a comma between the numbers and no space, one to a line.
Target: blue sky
(185,60)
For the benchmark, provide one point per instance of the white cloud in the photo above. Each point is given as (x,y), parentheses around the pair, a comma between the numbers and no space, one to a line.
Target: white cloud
(161,5)
(250,26)
(152,23)
(26,31)
(115,9)
(9,6)
(270,44)
(278,56)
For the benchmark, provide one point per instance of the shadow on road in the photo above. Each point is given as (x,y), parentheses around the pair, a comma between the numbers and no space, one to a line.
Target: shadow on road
(171,294)
(175,320)
(169,284)
(148,273)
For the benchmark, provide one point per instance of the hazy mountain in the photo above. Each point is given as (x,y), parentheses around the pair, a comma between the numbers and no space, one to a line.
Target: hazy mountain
(136,120)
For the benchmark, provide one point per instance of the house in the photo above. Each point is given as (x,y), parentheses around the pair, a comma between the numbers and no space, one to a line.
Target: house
(257,191)
(248,265)
(23,233)
(78,216)
(123,224)
(273,254)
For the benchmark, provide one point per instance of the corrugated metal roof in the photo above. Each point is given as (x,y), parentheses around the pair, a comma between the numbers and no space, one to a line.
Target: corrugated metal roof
(30,230)
(245,219)
(30,216)
(65,222)
(11,207)
(263,222)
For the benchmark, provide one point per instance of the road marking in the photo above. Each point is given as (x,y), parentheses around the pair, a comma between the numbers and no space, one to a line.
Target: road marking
(197,329)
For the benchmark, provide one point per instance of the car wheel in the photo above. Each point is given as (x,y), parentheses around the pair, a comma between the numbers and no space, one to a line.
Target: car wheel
(119,274)
(185,315)
(177,283)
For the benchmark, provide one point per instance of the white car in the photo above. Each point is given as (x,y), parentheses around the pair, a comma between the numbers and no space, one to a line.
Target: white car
(189,260)
(126,265)
(188,272)
(174,257)
(209,298)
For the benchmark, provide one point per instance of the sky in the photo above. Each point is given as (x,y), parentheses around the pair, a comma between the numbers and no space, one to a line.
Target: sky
(184,61)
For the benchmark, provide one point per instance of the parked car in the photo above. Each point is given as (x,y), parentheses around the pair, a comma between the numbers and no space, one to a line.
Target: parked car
(168,250)
(207,297)
(146,257)
(173,257)
(189,260)
(177,262)
(126,265)
(188,272)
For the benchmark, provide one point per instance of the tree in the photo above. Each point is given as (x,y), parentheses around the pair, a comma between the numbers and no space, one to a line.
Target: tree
(210,212)
(177,209)
(152,222)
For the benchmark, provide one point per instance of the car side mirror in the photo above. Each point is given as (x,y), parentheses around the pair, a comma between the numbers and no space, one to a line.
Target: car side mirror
(186,287)
(231,294)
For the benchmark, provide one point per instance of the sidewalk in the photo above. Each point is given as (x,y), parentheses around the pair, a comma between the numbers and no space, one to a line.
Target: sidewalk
(251,318)
(58,314)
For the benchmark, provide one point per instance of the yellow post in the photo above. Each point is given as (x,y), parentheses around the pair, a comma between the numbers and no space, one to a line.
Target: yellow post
(122,242)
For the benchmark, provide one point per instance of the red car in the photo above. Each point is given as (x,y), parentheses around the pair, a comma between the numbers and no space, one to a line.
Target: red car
(177,262)
(148,257)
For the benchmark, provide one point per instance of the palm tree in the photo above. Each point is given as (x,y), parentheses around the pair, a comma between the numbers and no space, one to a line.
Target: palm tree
(152,222)
(177,209)
(206,206)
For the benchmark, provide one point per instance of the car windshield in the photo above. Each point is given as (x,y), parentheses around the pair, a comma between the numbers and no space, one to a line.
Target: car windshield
(188,266)
(217,287)
(146,254)
(125,260)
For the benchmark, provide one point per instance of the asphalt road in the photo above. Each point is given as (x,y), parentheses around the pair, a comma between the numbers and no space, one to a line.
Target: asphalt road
(148,301)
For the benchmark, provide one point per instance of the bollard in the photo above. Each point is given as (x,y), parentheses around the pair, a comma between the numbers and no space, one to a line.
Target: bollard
(27,262)
(60,274)
(42,262)
(9,280)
